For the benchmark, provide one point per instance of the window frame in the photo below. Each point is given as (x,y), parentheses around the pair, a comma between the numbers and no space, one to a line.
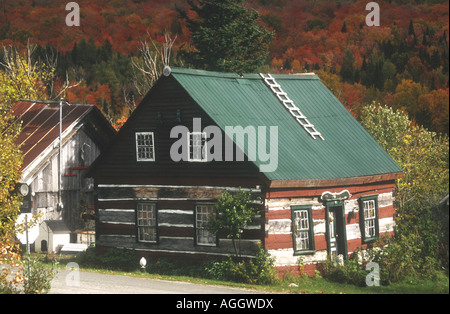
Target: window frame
(363,221)
(138,226)
(153,147)
(204,148)
(197,228)
(311,247)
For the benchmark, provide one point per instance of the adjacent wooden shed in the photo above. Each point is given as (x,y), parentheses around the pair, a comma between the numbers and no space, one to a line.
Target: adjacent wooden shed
(85,132)
(324,184)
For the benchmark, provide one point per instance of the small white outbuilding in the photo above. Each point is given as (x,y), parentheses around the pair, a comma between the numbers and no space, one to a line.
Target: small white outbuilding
(53,235)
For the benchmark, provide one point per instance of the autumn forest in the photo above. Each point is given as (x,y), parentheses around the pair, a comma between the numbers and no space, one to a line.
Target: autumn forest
(402,63)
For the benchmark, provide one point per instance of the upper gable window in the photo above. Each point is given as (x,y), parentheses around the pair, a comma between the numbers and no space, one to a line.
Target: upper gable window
(197,146)
(145,146)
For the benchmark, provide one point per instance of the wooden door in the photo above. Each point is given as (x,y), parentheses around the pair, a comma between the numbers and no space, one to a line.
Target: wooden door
(337,238)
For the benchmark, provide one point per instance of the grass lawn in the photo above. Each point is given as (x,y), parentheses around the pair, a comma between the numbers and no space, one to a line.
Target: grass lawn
(309,285)
(301,285)
(322,285)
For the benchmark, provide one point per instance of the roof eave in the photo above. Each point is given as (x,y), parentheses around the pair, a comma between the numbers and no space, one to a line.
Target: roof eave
(317,183)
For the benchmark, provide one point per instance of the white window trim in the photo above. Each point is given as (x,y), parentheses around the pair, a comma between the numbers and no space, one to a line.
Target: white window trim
(137,146)
(369,221)
(302,230)
(197,228)
(204,149)
(302,234)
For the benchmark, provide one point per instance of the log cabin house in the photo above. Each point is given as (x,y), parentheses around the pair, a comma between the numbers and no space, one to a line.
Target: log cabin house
(47,179)
(323,184)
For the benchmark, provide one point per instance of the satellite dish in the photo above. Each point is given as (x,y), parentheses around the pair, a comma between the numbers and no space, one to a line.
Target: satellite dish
(24,189)
(167,70)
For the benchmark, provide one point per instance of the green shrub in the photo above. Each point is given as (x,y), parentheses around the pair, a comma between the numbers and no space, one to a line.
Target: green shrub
(259,270)
(88,258)
(120,259)
(114,259)
(400,258)
(38,276)
(351,272)
(164,266)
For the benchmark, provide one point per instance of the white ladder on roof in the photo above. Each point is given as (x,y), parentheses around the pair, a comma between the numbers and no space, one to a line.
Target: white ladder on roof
(290,106)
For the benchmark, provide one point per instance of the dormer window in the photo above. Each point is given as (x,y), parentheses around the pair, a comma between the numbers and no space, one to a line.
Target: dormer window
(145,146)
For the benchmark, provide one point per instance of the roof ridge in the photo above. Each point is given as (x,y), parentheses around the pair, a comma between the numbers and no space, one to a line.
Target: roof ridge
(251,76)
(178,70)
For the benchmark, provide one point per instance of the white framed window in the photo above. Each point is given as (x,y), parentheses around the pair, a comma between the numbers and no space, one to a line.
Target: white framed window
(303,230)
(369,218)
(146,222)
(197,147)
(203,215)
(145,146)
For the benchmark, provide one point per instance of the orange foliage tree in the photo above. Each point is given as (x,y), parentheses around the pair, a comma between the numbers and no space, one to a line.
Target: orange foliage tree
(434,106)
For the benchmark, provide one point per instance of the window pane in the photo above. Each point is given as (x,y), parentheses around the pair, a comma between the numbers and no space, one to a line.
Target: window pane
(302,240)
(204,213)
(145,146)
(369,218)
(302,232)
(146,222)
(197,147)
(369,209)
(370,228)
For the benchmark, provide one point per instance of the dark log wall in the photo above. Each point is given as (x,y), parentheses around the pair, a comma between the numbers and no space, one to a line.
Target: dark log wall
(116,221)
(175,187)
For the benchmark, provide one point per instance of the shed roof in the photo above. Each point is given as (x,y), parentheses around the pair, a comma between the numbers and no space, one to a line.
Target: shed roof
(57,226)
(347,151)
(40,125)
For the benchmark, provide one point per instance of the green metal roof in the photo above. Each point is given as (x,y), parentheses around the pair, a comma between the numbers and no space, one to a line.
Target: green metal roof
(347,150)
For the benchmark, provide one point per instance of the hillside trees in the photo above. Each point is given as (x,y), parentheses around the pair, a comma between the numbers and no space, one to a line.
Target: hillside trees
(226,37)
(348,68)
(410,45)
(423,155)
(103,75)
(434,107)
(22,77)
(378,58)
(153,57)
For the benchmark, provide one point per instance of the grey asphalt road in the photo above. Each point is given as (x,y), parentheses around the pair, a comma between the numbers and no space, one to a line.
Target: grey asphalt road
(73,282)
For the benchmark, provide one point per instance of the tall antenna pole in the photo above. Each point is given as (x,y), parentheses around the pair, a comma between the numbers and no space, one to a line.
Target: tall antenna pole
(60,205)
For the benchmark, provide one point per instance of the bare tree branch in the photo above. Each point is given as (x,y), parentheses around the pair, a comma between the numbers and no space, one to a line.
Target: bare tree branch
(153,60)
(40,75)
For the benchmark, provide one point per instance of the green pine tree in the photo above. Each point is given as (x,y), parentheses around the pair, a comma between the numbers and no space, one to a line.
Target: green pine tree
(344,28)
(226,36)
(348,67)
